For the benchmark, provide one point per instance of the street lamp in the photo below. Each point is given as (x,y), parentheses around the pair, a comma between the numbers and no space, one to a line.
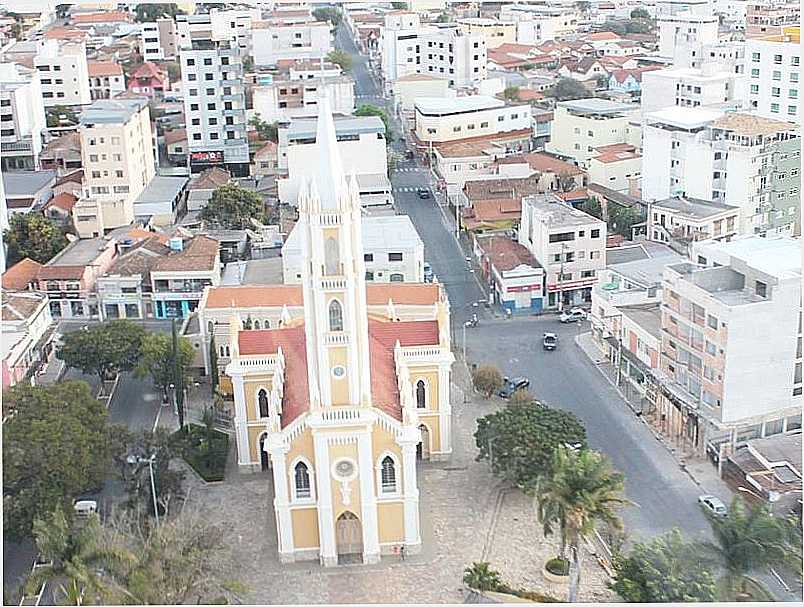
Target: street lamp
(135,460)
(746,490)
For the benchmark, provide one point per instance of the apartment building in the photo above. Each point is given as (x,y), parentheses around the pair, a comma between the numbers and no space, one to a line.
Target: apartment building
(117,151)
(617,167)
(773,65)
(771,18)
(682,34)
(361,144)
(218,25)
(392,251)
(730,158)
(69,278)
(442,120)
(215,105)
(297,94)
(22,117)
(106,79)
(159,40)
(569,244)
(707,86)
(682,220)
(537,23)
(729,320)
(63,73)
(27,327)
(495,32)
(274,42)
(581,126)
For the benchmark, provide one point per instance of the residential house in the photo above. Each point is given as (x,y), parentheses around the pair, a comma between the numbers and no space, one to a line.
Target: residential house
(21,276)
(149,80)
(584,70)
(62,154)
(203,185)
(106,79)
(680,221)
(176,146)
(495,204)
(60,208)
(27,327)
(617,166)
(555,175)
(27,191)
(515,278)
(266,160)
(627,80)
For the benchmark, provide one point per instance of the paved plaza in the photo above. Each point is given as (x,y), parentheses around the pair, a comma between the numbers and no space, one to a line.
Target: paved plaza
(459,501)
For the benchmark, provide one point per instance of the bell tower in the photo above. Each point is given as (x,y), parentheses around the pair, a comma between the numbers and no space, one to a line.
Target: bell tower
(333,277)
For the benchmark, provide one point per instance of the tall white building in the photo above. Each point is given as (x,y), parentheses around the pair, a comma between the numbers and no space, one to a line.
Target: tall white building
(22,117)
(298,96)
(708,86)
(536,23)
(218,25)
(773,66)
(64,74)
(737,159)
(441,120)
(215,105)
(273,42)
(159,39)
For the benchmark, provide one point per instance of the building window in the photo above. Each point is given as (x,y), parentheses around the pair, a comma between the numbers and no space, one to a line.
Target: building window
(388,475)
(368,257)
(335,316)
(394,256)
(711,321)
(595,233)
(262,399)
(761,288)
(301,481)
(421,394)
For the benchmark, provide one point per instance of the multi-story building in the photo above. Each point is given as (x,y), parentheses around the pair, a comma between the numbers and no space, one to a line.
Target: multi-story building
(537,23)
(773,66)
(273,42)
(149,80)
(159,39)
(580,127)
(440,120)
(771,18)
(297,96)
(616,167)
(730,319)
(681,221)
(69,278)
(117,148)
(361,144)
(569,244)
(26,325)
(495,32)
(392,251)
(218,25)
(708,86)
(730,158)
(683,33)
(106,79)
(63,72)
(22,117)
(215,105)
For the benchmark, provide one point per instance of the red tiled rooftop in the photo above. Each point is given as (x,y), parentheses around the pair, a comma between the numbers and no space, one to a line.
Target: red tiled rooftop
(64,201)
(543,162)
(99,69)
(104,17)
(61,273)
(21,274)
(506,254)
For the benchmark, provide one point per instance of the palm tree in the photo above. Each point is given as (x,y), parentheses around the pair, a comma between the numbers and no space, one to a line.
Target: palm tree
(480,576)
(745,540)
(582,491)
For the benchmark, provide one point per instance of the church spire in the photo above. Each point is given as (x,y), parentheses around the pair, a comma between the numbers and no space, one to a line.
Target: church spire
(330,178)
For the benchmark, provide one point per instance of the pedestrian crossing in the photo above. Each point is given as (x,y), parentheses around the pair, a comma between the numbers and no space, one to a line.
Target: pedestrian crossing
(405,189)
(408,170)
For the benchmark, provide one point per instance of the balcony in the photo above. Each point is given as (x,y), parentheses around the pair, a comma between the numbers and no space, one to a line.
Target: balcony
(23,147)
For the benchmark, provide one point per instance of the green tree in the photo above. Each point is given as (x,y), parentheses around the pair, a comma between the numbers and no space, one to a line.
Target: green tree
(480,576)
(156,359)
(373,110)
(618,27)
(151,12)
(511,93)
(487,379)
(104,349)
(566,181)
(55,447)
(328,13)
(33,235)
(443,17)
(521,397)
(583,6)
(746,540)
(341,58)
(232,207)
(173,69)
(567,89)
(592,206)
(639,26)
(665,570)
(621,219)
(213,365)
(60,114)
(267,131)
(521,441)
(400,6)
(640,13)
(582,490)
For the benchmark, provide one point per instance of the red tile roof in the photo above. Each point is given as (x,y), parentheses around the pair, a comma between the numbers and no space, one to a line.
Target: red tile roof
(64,201)
(490,211)
(104,17)
(65,33)
(61,273)
(149,70)
(543,162)
(103,68)
(506,254)
(601,36)
(175,136)
(21,274)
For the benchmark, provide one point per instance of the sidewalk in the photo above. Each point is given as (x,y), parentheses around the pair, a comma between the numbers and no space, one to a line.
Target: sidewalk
(699,469)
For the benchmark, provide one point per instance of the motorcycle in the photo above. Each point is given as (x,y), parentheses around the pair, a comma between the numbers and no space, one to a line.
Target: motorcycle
(471,322)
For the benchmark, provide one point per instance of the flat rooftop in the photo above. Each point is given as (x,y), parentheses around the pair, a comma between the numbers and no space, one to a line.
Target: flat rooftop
(751,125)
(112,111)
(444,106)
(253,272)
(723,283)
(684,117)
(647,316)
(556,213)
(694,208)
(17,184)
(378,232)
(162,189)
(595,105)
(778,256)
(646,272)
(305,128)
(80,253)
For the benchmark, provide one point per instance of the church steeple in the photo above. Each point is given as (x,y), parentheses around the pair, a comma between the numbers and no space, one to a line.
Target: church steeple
(333,276)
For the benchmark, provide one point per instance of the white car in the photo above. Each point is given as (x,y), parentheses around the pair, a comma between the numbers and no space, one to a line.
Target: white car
(573,315)
(85,508)
(713,505)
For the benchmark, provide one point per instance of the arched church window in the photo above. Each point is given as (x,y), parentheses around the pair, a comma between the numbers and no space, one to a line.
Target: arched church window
(301,477)
(397,277)
(335,316)
(210,327)
(262,398)
(257,325)
(388,474)
(228,352)
(420,394)
(332,257)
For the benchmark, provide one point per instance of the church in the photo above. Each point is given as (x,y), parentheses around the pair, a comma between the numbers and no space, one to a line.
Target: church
(339,386)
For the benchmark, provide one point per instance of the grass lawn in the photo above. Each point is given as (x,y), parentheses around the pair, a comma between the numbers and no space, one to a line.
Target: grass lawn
(205,454)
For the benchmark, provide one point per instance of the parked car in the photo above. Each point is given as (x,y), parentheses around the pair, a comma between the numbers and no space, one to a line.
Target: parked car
(573,315)
(428,272)
(409,154)
(85,508)
(550,341)
(511,385)
(713,505)
(423,193)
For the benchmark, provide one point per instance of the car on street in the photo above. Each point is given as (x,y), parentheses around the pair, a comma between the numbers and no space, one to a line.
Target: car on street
(84,507)
(572,315)
(409,155)
(550,341)
(423,193)
(428,272)
(511,385)
(713,505)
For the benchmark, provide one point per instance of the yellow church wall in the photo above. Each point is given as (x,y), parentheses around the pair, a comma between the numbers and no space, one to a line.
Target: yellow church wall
(382,441)
(251,386)
(339,386)
(254,433)
(432,424)
(225,384)
(391,522)
(430,376)
(305,528)
(338,507)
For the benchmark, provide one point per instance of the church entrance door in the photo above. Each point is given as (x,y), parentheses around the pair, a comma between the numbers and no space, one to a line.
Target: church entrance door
(423,448)
(349,538)
(265,461)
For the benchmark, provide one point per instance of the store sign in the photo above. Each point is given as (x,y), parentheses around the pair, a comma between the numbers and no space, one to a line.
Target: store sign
(215,157)
(524,288)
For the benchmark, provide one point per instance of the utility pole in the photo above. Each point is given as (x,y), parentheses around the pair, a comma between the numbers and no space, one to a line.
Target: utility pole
(561,279)
(178,380)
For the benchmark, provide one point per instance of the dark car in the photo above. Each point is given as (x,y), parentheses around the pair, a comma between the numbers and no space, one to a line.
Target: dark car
(550,341)
(423,193)
(512,385)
